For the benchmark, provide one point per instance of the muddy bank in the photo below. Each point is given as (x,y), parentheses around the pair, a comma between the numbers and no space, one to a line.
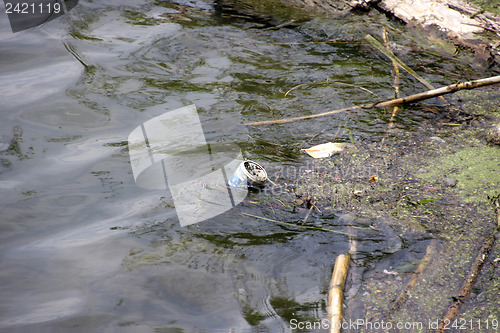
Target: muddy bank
(432,185)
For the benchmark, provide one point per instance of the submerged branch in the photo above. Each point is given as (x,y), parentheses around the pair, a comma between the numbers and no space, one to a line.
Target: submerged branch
(398,101)
(431,250)
(468,283)
(327,82)
(396,84)
(295,225)
(75,54)
(496,203)
(474,272)
(388,53)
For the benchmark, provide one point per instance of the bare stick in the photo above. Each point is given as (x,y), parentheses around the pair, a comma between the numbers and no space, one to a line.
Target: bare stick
(496,203)
(327,82)
(398,101)
(309,212)
(336,294)
(431,249)
(388,53)
(289,120)
(468,283)
(396,85)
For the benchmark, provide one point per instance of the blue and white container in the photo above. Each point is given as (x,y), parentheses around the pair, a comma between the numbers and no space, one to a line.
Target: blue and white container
(248,173)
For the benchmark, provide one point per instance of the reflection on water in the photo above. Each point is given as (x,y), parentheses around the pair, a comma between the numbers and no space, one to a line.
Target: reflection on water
(83,248)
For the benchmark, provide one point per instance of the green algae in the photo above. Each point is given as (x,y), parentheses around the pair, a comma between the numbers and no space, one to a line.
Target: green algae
(78,35)
(476,170)
(483,102)
(289,309)
(488,5)
(252,316)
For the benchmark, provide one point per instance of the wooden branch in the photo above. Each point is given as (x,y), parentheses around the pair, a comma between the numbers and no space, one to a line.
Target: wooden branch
(388,53)
(289,120)
(496,203)
(336,293)
(431,250)
(441,91)
(398,101)
(468,283)
(395,109)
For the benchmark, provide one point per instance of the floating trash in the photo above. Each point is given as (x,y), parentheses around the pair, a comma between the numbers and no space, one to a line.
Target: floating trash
(249,173)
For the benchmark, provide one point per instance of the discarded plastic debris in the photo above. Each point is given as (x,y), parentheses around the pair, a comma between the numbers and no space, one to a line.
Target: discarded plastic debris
(248,173)
(325,149)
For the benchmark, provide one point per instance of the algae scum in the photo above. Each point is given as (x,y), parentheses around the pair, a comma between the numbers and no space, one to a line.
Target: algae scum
(98,253)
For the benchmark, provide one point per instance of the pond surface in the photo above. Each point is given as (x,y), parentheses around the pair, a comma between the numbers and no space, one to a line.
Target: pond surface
(83,248)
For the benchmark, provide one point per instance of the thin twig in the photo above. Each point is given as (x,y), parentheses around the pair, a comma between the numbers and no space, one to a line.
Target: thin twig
(295,225)
(308,213)
(396,85)
(75,54)
(314,205)
(279,175)
(483,27)
(330,41)
(390,55)
(279,26)
(473,274)
(274,184)
(496,203)
(315,136)
(328,82)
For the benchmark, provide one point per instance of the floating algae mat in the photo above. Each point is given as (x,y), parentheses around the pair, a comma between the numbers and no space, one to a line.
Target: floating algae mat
(477,172)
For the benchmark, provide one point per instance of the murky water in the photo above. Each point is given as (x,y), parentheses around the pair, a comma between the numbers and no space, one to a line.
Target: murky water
(84,249)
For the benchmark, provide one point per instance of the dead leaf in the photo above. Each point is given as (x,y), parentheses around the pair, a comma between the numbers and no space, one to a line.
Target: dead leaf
(325,149)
